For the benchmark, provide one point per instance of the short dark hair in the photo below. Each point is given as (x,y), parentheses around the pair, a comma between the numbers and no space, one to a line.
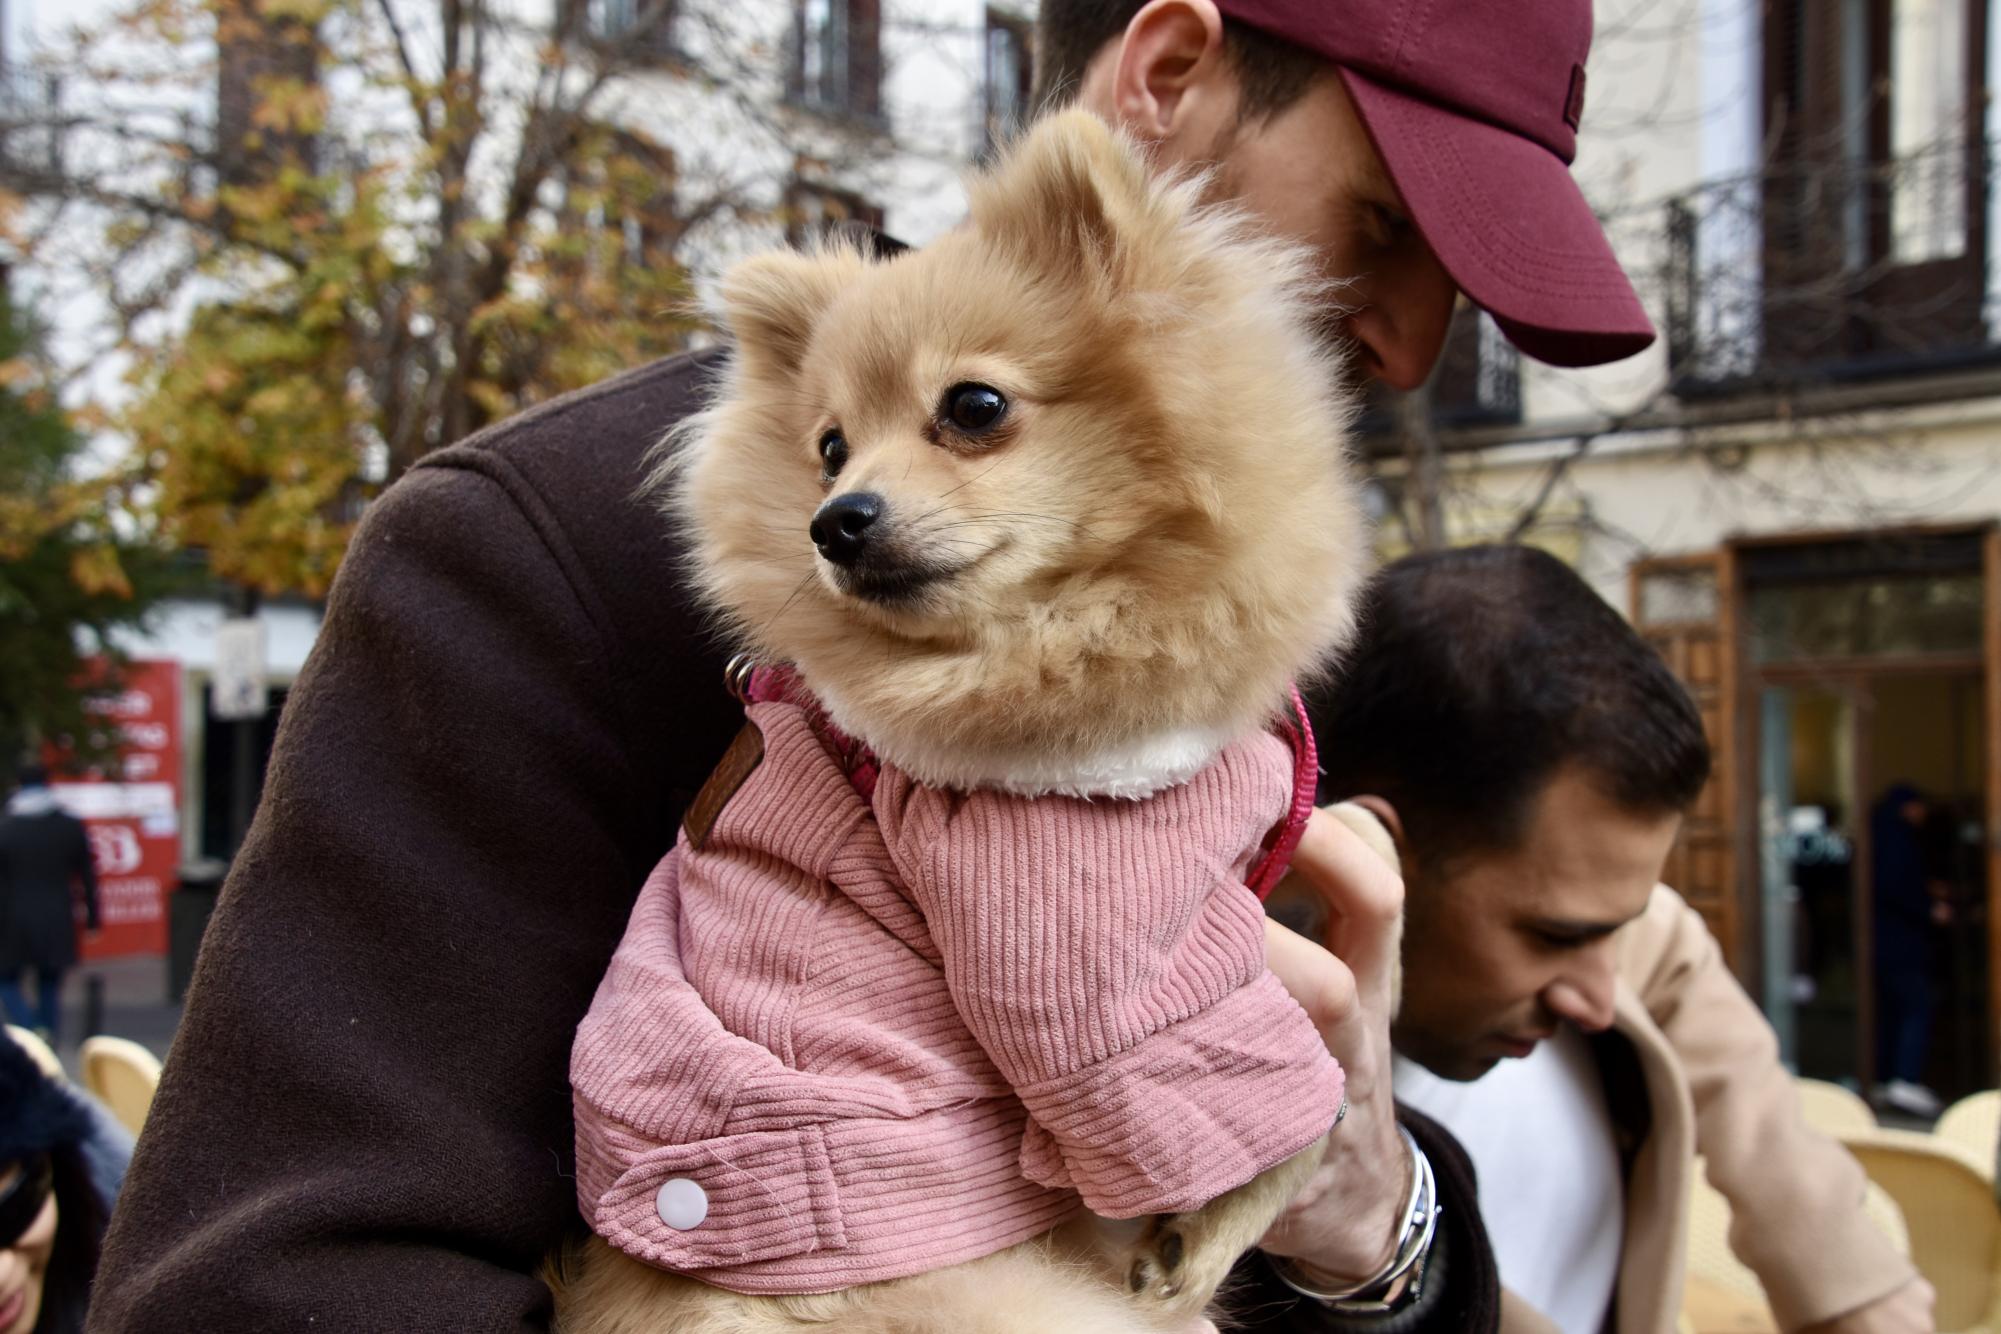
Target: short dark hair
(1273,72)
(32,774)
(1478,673)
(81,1217)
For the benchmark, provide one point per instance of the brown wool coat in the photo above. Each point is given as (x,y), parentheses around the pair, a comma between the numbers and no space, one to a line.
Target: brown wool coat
(1693,1068)
(365,1122)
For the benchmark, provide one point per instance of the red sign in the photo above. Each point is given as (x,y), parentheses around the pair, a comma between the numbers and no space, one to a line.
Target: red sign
(133,812)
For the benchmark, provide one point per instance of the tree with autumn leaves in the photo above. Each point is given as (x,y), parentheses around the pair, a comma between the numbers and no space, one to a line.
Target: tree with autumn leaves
(346,232)
(74,568)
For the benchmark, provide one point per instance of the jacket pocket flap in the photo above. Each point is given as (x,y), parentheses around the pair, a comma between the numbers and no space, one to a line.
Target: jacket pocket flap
(714,1203)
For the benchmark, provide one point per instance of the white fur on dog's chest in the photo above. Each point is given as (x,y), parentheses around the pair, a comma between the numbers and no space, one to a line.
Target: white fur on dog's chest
(1132,772)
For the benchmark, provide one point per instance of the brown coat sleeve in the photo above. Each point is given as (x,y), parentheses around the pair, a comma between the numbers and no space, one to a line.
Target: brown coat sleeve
(365,1120)
(1795,1195)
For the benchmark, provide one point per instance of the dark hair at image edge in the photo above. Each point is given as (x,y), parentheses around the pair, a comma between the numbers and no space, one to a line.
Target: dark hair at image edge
(1478,674)
(80,1222)
(1068,33)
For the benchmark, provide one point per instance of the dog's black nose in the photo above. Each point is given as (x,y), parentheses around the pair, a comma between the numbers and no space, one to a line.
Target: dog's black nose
(841,527)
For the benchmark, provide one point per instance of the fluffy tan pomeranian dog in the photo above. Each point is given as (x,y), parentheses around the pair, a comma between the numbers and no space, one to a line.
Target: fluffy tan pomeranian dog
(1060,503)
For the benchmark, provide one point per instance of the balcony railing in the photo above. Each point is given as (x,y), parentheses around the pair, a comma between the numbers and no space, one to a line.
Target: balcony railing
(30,133)
(1821,273)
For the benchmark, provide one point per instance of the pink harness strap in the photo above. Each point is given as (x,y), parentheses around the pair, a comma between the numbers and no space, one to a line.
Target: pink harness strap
(862,767)
(1284,840)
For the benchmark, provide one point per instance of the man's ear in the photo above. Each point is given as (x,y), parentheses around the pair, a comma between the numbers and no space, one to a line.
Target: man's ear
(771,303)
(1170,50)
(1067,196)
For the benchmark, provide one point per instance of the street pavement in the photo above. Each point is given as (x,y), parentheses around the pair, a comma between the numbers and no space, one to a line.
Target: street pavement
(134,1005)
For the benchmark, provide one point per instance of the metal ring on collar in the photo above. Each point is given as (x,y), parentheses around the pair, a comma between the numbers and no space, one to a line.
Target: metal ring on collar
(736,677)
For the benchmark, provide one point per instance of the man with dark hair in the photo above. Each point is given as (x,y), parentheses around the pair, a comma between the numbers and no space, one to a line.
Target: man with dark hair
(366,1117)
(1506,650)
(1535,757)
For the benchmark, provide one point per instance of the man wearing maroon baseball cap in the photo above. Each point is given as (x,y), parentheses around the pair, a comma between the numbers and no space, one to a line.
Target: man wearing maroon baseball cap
(1438,159)
(1422,149)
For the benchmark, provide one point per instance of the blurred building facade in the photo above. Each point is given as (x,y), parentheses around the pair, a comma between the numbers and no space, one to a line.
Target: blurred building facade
(794,114)
(1795,492)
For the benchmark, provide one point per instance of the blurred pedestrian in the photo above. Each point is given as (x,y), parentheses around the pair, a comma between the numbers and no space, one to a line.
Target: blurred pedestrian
(1567,1017)
(52,1210)
(1908,905)
(45,867)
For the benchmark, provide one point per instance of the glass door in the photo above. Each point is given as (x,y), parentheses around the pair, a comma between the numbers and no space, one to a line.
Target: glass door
(1815,994)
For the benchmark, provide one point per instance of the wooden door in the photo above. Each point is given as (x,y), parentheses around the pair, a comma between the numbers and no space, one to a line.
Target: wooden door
(1686,607)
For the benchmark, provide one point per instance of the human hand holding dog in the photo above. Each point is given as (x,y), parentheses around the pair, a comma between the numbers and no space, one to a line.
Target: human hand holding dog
(1344,1225)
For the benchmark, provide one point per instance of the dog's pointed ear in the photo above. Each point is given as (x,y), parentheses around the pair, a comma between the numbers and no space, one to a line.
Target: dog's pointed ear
(772,302)
(1073,194)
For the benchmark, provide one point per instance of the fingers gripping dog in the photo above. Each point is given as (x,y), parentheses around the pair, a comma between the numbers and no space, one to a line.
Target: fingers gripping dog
(1032,532)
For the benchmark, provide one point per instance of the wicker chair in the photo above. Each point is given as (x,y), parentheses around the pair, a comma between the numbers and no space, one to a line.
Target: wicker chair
(123,1075)
(1833,1110)
(44,1055)
(1955,1223)
(1974,1124)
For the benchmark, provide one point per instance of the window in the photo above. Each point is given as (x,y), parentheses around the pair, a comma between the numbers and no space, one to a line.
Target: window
(618,206)
(1872,108)
(811,210)
(641,27)
(1873,195)
(1678,595)
(837,65)
(1901,616)
(1928,129)
(1892,595)
(1009,75)
(639,197)
(256,52)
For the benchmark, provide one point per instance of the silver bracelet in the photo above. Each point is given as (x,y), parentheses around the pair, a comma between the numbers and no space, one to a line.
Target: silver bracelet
(1418,1226)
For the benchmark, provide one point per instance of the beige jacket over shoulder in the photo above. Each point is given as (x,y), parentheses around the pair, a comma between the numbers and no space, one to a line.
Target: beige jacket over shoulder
(1713,1085)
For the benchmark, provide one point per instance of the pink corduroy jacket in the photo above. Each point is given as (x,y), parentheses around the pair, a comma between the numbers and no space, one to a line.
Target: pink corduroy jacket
(860,1028)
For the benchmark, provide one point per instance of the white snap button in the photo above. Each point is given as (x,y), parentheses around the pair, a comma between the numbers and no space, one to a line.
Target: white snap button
(682,1204)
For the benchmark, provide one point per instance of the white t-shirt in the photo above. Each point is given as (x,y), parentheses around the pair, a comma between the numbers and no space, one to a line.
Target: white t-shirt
(1540,1136)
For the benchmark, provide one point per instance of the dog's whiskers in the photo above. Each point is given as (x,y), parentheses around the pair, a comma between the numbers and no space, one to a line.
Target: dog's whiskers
(786,606)
(977,476)
(998,516)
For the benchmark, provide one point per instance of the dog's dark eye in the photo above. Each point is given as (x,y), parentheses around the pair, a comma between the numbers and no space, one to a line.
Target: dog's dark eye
(833,452)
(974,407)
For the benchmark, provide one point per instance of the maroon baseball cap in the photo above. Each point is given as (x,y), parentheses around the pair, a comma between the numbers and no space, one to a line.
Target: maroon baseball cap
(1474,106)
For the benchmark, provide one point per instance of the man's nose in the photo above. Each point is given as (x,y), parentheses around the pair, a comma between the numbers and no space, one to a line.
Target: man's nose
(1400,327)
(1584,995)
